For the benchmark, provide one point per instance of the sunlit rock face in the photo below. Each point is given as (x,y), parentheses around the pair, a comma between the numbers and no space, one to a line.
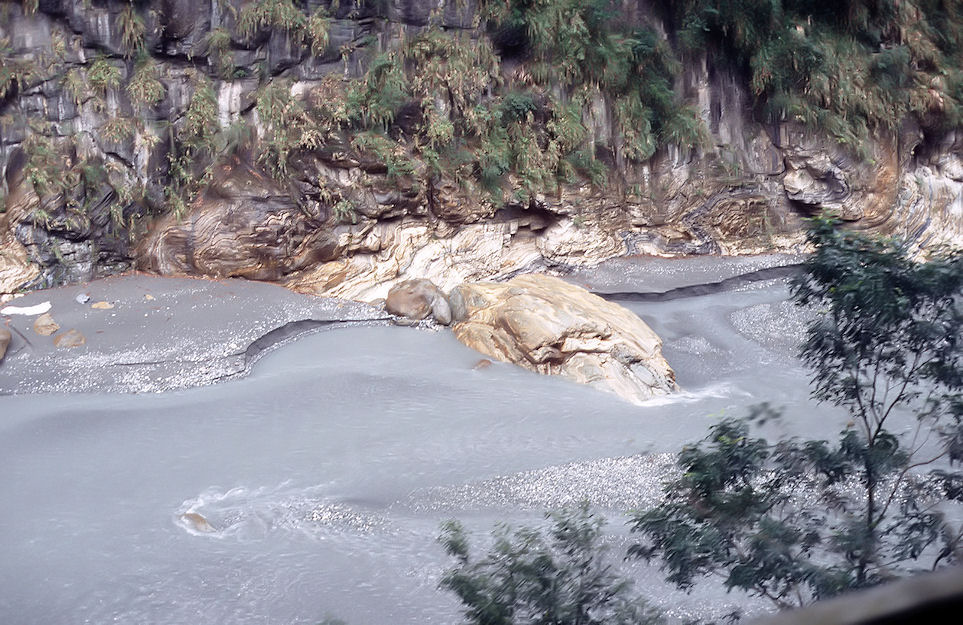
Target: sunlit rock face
(552,327)
(16,270)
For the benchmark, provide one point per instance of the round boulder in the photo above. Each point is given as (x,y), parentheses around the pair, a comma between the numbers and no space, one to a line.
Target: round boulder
(416,299)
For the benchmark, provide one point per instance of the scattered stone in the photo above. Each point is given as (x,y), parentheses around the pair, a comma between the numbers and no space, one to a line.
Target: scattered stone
(550,326)
(82,298)
(149,297)
(416,299)
(70,338)
(29,311)
(5,337)
(102,305)
(45,325)
(197,522)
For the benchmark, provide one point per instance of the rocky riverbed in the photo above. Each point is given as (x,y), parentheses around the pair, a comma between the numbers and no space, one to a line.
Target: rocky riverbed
(141,333)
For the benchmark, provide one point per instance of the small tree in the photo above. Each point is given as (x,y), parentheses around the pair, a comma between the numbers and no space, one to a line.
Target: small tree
(530,578)
(886,342)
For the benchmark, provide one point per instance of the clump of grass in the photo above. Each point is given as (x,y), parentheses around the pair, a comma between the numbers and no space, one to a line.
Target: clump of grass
(395,159)
(132,31)
(219,53)
(145,87)
(378,96)
(286,126)
(103,76)
(262,15)
(582,45)
(44,166)
(193,148)
(344,212)
(118,129)
(75,85)
(14,72)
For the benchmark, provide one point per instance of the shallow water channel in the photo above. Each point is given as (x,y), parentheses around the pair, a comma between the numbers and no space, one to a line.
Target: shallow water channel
(326,473)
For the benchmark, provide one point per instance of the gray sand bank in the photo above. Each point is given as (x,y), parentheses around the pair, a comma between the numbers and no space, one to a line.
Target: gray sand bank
(158,333)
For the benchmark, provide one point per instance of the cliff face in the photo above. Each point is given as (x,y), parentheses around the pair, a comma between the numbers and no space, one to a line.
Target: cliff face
(341,147)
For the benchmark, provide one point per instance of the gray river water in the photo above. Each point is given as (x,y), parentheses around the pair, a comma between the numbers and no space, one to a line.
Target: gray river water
(327,472)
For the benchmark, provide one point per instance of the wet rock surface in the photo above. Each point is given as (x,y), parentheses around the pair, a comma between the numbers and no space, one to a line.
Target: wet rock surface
(552,327)
(160,333)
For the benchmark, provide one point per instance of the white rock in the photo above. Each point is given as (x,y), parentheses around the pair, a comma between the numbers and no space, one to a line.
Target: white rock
(39,309)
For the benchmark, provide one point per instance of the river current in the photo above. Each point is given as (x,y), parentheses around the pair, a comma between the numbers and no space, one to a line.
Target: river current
(326,473)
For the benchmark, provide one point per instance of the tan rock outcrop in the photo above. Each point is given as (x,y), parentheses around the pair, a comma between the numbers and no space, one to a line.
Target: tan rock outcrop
(5,337)
(16,269)
(243,225)
(552,327)
(385,254)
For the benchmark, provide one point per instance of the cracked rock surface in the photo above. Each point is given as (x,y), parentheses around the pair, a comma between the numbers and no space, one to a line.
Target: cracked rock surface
(549,326)
(159,333)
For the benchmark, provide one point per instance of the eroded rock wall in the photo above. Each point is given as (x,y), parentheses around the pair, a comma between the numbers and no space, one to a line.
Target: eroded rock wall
(344,223)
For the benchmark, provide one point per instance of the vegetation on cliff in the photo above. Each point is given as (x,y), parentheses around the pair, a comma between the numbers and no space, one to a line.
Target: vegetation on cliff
(505,100)
(849,68)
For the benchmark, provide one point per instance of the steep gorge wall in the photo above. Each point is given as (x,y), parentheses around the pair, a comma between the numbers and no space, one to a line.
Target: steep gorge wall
(138,135)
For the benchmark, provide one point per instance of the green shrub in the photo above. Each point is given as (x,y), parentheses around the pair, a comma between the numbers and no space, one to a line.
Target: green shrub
(849,68)
(286,126)
(559,576)
(888,337)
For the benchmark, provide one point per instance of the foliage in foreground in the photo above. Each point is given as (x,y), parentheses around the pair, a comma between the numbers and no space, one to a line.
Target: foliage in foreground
(801,520)
(558,576)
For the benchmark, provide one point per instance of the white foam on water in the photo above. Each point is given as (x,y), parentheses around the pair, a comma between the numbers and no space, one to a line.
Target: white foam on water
(253,513)
(712,391)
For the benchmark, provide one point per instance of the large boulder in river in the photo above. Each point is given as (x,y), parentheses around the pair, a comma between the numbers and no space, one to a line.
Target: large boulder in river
(550,326)
(416,299)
